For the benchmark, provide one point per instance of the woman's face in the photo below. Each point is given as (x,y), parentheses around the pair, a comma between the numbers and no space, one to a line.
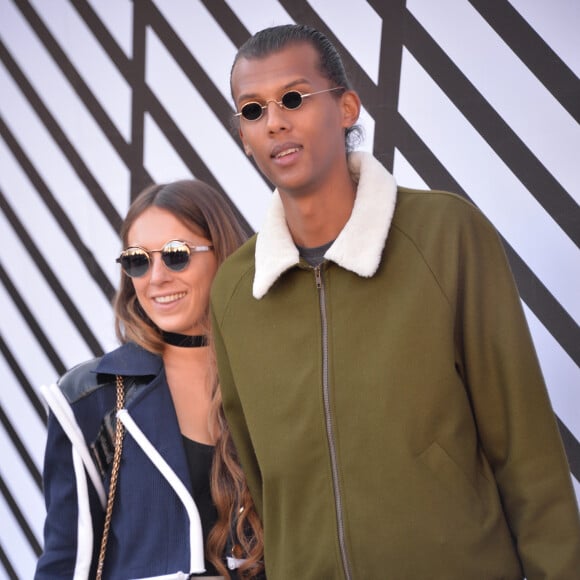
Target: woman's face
(174,301)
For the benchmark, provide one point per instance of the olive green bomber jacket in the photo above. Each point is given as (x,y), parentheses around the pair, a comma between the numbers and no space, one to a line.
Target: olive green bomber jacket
(388,407)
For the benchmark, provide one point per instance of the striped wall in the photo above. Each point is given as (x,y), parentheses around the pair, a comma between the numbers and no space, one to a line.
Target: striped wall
(100,97)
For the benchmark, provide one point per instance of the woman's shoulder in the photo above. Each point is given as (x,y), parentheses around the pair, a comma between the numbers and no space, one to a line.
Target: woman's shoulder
(128,360)
(82,380)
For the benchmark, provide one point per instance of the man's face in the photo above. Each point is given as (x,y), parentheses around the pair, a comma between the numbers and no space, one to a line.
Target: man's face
(298,150)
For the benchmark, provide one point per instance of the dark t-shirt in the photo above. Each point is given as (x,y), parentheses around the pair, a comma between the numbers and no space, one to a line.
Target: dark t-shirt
(314,256)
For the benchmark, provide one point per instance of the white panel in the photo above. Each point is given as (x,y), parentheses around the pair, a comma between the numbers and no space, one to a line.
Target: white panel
(560,373)
(258,14)
(58,252)
(220,153)
(15,544)
(161,160)
(62,181)
(368,126)
(117,15)
(362,40)
(558,23)
(22,487)
(23,344)
(41,301)
(17,406)
(204,38)
(493,187)
(511,89)
(63,103)
(90,60)
(405,174)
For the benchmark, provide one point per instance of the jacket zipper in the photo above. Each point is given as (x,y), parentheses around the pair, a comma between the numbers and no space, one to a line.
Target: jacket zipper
(330,425)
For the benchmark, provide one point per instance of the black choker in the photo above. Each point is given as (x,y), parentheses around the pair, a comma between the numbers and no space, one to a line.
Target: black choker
(185,340)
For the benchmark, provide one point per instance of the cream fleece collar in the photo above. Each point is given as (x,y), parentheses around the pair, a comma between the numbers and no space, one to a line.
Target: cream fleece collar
(359,245)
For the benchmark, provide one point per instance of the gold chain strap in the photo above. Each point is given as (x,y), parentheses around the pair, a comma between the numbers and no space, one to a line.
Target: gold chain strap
(114,477)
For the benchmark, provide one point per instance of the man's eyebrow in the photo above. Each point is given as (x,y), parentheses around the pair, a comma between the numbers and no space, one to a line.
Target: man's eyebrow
(254,96)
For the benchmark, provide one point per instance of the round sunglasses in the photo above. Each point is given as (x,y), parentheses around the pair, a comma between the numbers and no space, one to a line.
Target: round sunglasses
(175,254)
(291,100)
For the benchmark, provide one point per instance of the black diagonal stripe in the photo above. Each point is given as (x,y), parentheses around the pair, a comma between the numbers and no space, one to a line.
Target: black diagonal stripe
(572,447)
(488,123)
(60,139)
(19,374)
(227,20)
(74,78)
(188,154)
(533,51)
(203,84)
(21,449)
(303,13)
(383,104)
(26,529)
(106,40)
(546,308)
(194,72)
(66,226)
(139,180)
(56,287)
(33,325)
(133,72)
(8,568)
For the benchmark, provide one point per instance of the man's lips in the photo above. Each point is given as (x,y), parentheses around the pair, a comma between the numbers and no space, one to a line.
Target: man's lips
(285,149)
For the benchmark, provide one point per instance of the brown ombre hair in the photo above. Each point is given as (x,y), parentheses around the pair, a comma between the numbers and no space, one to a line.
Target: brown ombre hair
(200,208)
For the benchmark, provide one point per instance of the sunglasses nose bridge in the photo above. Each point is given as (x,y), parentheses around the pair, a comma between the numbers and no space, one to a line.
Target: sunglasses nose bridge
(157,266)
(273,113)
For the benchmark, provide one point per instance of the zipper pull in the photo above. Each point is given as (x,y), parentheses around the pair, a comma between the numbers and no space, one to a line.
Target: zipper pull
(318,276)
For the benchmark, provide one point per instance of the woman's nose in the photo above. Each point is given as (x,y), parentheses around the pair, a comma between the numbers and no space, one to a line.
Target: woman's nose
(159,271)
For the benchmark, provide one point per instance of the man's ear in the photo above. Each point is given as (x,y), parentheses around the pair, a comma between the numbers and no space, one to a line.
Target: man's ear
(351,106)
(247,149)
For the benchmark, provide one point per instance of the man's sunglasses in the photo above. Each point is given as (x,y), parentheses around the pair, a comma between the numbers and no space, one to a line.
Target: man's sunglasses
(175,254)
(291,100)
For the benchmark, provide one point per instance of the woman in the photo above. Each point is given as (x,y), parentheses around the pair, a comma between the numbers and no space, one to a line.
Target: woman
(130,497)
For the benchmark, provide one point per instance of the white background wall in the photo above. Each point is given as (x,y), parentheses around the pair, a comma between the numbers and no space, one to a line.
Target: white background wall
(486,102)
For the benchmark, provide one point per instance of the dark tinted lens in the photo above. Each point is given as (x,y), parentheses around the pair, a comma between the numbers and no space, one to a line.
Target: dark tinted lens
(135,263)
(292,100)
(175,256)
(252,111)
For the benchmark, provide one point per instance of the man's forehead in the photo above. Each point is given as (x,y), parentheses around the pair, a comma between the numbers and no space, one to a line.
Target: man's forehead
(294,64)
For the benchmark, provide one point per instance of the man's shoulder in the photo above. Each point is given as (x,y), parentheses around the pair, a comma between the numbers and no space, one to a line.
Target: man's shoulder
(433,199)
(236,268)
(432,206)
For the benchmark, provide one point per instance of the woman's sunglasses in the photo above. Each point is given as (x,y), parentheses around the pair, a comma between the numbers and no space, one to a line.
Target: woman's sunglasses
(175,254)
(291,100)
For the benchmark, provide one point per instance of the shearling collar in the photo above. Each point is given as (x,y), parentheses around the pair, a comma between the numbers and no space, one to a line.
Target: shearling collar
(369,222)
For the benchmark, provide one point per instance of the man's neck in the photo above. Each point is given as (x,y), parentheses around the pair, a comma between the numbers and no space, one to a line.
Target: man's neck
(316,219)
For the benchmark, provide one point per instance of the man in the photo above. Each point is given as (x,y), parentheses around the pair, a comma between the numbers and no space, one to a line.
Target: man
(378,375)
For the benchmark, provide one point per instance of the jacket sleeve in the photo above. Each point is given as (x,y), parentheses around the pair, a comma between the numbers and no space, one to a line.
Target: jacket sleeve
(515,421)
(73,511)
(236,420)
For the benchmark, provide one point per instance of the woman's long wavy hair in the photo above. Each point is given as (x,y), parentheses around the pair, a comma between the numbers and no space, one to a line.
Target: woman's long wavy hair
(202,209)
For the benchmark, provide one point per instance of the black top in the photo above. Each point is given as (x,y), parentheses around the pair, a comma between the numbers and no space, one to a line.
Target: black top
(199,460)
